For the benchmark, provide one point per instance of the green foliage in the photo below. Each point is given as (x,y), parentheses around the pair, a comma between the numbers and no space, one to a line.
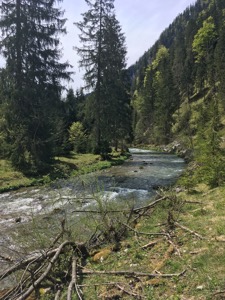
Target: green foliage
(204,39)
(161,55)
(78,137)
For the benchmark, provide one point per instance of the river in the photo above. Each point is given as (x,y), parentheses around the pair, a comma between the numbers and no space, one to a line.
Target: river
(134,182)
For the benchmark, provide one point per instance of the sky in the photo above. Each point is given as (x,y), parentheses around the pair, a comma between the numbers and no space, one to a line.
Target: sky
(142,22)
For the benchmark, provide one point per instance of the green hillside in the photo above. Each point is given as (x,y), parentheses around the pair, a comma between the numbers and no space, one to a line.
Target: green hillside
(178,88)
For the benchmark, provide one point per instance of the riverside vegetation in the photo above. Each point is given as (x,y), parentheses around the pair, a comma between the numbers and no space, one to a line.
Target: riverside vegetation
(173,248)
(62,167)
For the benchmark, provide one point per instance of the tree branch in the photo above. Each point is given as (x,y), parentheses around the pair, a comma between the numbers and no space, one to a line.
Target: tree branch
(131,273)
(189,230)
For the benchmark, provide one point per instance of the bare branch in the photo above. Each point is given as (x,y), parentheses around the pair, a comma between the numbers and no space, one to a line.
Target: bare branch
(73,282)
(48,269)
(132,274)
(189,230)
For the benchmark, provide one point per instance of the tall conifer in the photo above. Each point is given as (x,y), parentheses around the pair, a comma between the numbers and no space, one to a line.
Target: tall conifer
(103,57)
(30,45)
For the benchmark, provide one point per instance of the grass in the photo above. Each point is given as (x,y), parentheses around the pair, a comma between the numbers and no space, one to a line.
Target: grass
(11,179)
(202,259)
(63,167)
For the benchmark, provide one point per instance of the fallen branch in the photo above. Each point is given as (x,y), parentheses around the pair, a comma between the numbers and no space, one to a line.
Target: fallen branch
(73,282)
(57,295)
(151,244)
(132,274)
(152,204)
(146,233)
(189,230)
(37,257)
(193,202)
(48,269)
(219,293)
(126,291)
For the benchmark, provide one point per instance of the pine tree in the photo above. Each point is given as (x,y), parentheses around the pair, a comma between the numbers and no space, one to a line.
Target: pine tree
(116,109)
(30,46)
(103,57)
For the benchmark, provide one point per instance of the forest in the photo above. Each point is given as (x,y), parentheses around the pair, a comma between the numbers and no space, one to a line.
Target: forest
(178,89)
(171,101)
(37,122)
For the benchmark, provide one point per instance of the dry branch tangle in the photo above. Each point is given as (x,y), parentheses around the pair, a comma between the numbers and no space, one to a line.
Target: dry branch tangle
(45,260)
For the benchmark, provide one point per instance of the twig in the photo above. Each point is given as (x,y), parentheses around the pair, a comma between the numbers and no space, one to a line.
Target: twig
(189,230)
(127,292)
(59,235)
(151,244)
(146,233)
(193,202)
(99,284)
(175,247)
(100,212)
(219,293)
(152,204)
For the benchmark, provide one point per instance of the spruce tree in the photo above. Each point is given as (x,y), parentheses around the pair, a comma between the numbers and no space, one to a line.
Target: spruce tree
(103,57)
(30,45)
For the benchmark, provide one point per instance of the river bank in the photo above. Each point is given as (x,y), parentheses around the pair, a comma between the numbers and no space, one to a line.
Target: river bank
(63,167)
(175,251)
(172,250)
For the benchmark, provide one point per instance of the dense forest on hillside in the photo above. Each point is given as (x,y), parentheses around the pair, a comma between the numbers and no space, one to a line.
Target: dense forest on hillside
(178,87)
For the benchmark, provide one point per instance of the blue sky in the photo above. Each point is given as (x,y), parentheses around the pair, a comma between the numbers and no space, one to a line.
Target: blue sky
(142,22)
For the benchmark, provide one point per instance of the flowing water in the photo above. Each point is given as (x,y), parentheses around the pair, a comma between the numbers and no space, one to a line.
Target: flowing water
(135,181)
